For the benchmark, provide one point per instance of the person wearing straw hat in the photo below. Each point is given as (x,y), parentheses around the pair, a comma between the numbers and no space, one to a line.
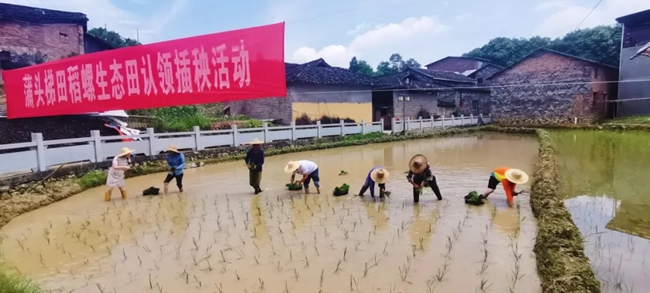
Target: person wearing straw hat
(420,175)
(509,178)
(308,170)
(254,161)
(176,163)
(121,163)
(377,175)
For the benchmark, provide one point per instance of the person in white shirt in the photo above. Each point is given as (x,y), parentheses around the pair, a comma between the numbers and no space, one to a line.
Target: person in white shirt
(308,170)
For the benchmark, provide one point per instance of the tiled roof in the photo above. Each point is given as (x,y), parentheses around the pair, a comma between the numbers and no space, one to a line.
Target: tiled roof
(458,57)
(445,75)
(319,72)
(635,19)
(39,15)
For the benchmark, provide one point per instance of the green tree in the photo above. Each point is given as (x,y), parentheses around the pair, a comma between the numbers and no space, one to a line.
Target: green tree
(112,37)
(396,64)
(361,67)
(601,43)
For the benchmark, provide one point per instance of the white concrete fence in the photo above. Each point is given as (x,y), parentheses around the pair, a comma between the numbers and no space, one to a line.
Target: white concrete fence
(41,155)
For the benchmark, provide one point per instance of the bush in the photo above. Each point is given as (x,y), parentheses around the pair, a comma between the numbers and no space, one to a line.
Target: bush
(16,284)
(305,120)
(92,179)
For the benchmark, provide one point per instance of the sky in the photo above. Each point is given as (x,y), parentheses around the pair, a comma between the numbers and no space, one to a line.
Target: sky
(337,30)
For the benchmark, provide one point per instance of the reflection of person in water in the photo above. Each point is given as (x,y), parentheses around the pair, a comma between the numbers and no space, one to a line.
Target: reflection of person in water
(509,178)
(420,175)
(259,226)
(422,227)
(377,213)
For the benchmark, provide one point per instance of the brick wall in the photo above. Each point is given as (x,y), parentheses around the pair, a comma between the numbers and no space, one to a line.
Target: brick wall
(57,41)
(545,88)
(456,65)
(269,108)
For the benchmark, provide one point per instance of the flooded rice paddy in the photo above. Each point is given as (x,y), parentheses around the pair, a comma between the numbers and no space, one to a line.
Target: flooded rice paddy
(219,237)
(605,178)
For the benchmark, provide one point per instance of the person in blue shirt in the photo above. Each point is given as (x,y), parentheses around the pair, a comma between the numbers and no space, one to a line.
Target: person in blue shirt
(176,163)
(254,161)
(377,175)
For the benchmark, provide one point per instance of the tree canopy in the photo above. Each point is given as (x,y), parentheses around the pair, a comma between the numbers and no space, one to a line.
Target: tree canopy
(394,64)
(113,38)
(601,43)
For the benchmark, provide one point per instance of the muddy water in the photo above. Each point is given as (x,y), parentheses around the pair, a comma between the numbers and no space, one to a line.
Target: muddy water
(219,237)
(605,177)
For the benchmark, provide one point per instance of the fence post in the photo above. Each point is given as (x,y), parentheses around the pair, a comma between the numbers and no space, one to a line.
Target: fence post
(381,125)
(406,123)
(265,128)
(462,120)
(420,118)
(197,138)
(97,145)
(293,130)
(40,151)
(151,134)
(393,125)
(235,135)
(442,120)
(342,127)
(363,127)
(318,130)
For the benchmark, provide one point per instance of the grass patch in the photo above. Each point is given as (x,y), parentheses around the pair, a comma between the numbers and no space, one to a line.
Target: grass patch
(16,284)
(92,179)
(638,120)
(184,118)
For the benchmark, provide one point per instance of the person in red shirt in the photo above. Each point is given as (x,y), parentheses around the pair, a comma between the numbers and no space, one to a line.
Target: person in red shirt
(509,178)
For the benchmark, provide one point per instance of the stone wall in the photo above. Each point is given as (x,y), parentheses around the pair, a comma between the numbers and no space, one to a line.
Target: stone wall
(267,108)
(546,88)
(426,101)
(57,41)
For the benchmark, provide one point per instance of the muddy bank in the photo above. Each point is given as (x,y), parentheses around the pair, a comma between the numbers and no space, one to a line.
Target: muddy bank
(17,200)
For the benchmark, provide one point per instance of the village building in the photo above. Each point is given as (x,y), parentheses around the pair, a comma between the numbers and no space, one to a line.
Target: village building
(634,67)
(549,87)
(315,90)
(476,68)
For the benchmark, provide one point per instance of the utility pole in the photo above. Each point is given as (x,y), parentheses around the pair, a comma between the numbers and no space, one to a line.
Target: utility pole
(137,35)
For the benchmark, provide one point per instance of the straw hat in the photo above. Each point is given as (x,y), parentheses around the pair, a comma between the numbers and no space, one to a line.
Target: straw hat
(516,176)
(422,162)
(254,142)
(125,151)
(379,175)
(291,167)
(172,148)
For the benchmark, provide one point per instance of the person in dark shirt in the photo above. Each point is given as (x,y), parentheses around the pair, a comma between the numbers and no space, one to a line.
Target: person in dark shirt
(420,175)
(254,161)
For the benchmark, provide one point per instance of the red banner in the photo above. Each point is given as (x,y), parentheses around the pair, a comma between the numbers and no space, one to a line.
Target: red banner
(226,66)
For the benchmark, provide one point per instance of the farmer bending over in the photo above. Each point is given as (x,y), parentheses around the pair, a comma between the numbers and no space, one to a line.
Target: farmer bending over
(377,175)
(254,161)
(176,163)
(420,175)
(509,178)
(115,178)
(308,170)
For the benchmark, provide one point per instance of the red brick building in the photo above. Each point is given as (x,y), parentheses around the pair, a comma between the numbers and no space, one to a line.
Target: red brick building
(469,66)
(31,30)
(548,87)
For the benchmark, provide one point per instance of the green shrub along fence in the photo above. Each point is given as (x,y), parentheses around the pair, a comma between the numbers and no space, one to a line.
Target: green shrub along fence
(16,284)
(561,262)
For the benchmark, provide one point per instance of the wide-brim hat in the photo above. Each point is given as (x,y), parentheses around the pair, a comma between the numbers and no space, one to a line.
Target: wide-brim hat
(421,160)
(125,151)
(254,142)
(516,176)
(380,175)
(291,167)
(172,148)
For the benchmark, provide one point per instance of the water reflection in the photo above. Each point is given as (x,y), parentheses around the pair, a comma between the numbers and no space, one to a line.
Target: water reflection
(604,175)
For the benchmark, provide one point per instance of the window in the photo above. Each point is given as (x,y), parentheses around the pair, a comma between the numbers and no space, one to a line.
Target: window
(475,105)
(479,80)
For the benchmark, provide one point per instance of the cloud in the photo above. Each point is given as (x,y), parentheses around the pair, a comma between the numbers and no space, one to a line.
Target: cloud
(564,16)
(463,16)
(382,39)
(106,13)
(361,27)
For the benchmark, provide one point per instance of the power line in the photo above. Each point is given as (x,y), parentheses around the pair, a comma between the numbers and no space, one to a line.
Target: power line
(587,16)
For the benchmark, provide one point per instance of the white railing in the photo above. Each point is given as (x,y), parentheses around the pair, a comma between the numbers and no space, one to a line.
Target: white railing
(40,154)
(442,122)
